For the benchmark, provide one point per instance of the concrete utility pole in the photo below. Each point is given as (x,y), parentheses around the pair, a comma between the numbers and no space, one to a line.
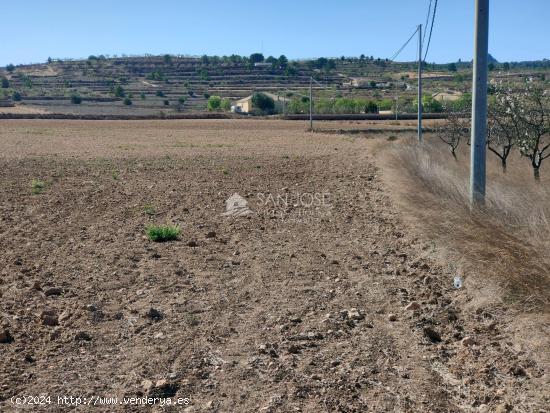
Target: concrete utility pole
(420,82)
(310,103)
(478,150)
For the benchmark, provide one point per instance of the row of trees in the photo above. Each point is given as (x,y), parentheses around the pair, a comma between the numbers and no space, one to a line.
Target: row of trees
(216,104)
(518,120)
(342,105)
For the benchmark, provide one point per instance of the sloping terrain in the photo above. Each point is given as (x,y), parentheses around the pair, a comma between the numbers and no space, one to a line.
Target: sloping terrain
(320,300)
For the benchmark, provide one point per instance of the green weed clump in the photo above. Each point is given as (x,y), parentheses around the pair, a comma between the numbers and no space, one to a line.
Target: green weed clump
(163,233)
(37,186)
(149,209)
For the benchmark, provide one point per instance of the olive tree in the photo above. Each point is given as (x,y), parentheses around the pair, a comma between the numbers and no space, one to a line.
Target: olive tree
(214,103)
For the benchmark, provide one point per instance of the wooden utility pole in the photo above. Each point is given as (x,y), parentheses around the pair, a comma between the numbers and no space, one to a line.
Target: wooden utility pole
(478,152)
(420,82)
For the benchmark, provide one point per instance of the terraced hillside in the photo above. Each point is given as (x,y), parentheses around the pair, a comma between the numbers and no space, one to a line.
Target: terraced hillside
(151,84)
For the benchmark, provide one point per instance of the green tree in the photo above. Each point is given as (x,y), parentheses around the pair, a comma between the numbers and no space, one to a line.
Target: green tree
(119,91)
(263,103)
(256,58)
(371,107)
(10,68)
(127,101)
(451,67)
(214,103)
(167,59)
(282,61)
(5,83)
(16,96)
(225,105)
(76,99)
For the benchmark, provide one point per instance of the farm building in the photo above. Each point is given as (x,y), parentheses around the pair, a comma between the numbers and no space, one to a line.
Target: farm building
(244,105)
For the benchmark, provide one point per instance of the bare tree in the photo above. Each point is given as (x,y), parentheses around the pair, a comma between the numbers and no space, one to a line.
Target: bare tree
(503,128)
(533,113)
(455,128)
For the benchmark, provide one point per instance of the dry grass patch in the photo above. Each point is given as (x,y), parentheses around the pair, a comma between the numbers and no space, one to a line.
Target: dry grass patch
(507,242)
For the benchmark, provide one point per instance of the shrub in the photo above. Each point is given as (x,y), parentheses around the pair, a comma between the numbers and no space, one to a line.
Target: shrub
(162,233)
(182,99)
(16,96)
(160,93)
(76,99)
(291,71)
(385,104)
(226,105)
(206,95)
(371,107)
(119,91)
(263,102)
(127,101)
(214,103)
(10,68)
(5,83)
(166,102)
(167,59)
(142,96)
(451,67)
(156,75)
(431,105)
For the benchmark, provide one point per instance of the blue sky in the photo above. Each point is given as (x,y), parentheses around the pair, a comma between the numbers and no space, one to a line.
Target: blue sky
(35,29)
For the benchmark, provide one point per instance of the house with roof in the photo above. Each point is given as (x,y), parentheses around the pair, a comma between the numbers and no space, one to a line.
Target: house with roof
(244,105)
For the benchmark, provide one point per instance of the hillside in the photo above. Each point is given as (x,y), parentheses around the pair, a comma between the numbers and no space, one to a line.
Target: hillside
(151,84)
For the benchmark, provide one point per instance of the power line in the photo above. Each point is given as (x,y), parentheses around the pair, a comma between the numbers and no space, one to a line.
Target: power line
(431,29)
(402,47)
(427,21)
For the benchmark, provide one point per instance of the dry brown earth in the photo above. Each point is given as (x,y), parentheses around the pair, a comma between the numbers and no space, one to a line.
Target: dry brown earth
(296,307)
